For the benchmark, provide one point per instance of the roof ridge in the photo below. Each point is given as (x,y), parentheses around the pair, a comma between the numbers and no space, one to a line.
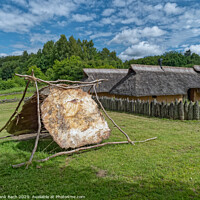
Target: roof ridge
(88,71)
(157,68)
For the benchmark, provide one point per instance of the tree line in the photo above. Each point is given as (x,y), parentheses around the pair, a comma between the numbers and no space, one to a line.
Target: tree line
(66,58)
(63,59)
(172,58)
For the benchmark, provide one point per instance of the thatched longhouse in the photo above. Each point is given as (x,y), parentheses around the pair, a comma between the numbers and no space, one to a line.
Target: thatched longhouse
(161,83)
(147,82)
(113,76)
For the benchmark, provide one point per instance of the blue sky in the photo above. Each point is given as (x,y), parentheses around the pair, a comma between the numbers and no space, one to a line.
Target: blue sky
(133,28)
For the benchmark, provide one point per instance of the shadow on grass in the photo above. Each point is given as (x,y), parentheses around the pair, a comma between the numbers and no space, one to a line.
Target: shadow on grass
(53,179)
(43,145)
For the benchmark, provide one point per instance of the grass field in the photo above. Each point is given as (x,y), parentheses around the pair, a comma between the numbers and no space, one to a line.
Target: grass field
(166,168)
(16,89)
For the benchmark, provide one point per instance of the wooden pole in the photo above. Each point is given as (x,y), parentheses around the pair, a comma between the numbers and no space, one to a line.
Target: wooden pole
(82,149)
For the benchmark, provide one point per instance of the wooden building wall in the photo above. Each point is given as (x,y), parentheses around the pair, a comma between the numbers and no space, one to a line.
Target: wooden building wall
(194,94)
(165,98)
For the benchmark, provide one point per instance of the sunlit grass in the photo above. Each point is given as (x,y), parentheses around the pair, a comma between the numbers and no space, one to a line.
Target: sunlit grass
(16,89)
(166,168)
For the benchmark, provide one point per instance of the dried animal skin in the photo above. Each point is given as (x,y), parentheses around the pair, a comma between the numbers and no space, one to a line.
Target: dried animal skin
(73,119)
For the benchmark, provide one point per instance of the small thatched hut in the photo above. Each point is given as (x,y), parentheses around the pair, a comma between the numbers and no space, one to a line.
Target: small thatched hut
(113,76)
(165,83)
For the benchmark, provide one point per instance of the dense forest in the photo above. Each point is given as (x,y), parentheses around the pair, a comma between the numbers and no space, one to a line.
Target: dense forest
(66,58)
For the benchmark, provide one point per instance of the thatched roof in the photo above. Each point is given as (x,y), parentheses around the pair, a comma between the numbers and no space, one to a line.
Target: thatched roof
(113,76)
(146,80)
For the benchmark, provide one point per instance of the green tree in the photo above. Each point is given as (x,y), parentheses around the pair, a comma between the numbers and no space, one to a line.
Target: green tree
(69,68)
(61,48)
(37,72)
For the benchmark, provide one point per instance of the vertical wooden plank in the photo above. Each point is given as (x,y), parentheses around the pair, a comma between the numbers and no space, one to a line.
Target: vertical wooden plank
(181,110)
(190,111)
(162,110)
(142,107)
(133,106)
(196,111)
(175,109)
(185,110)
(171,110)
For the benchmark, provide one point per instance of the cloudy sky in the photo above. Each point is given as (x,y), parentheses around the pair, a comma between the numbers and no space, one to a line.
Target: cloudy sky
(133,28)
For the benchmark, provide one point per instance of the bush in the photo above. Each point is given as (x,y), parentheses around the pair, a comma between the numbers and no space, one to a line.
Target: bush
(19,81)
(4,85)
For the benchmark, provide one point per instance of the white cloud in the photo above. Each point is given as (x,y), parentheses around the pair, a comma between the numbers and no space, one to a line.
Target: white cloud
(152,32)
(101,34)
(121,3)
(172,8)
(140,50)
(194,49)
(61,23)
(82,18)
(108,20)
(19,46)
(43,38)
(131,20)
(108,12)
(132,36)
(50,8)
(20,2)
(3,54)
(158,7)
(35,12)
(16,21)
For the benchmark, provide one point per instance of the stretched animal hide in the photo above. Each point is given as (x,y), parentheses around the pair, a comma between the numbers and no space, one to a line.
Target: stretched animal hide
(70,116)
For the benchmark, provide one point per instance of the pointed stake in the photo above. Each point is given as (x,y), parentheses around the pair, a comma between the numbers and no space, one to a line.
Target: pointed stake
(39,123)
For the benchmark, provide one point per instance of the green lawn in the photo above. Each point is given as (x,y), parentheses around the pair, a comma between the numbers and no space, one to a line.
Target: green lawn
(17,96)
(166,168)
(16,89)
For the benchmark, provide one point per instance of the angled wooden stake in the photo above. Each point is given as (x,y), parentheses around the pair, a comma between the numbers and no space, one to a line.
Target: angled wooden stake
(16,109)
(39,123)
(129,140)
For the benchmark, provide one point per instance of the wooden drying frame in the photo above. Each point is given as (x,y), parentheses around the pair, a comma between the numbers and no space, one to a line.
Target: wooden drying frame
(54,84)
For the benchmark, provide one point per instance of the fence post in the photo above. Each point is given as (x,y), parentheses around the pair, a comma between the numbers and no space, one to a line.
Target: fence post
(165,110)
(185,110)
(129,106)
(171,110)
(119,104)
(111,103)
(190,111)
(133,106)
(137,106)
(145,108)
(153,108)
(148,108)
(181,110)
(196,110)
(142,107)
(176,109)
(162,110)
(105,102)
(158,109)
(114,104)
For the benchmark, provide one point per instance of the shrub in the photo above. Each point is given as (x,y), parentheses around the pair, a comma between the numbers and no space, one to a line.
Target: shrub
(7,84)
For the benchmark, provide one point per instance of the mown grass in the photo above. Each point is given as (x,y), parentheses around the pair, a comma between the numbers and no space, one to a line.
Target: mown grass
(16,89)
(166,168)
(15,96)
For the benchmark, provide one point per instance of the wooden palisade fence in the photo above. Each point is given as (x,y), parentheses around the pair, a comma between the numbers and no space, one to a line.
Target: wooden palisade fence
(174,110)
